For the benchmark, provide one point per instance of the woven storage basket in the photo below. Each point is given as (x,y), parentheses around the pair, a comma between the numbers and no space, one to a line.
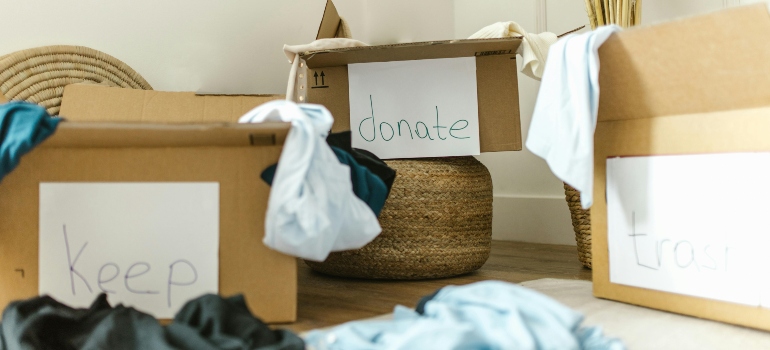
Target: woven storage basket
(436,223)
(581,224)
(39,75)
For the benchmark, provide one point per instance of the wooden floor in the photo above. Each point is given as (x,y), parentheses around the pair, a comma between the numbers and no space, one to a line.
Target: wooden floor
(326,301)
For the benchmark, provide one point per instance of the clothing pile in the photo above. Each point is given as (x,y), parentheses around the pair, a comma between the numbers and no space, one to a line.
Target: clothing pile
(482,315)
(205,323)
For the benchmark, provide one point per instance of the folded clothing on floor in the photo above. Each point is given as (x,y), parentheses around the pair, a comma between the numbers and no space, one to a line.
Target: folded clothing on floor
(482,315)
(208,322)
(22,127)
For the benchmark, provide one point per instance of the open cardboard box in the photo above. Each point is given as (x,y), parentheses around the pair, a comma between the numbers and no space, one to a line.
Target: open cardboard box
(496,77)
(199,143)
(694,86)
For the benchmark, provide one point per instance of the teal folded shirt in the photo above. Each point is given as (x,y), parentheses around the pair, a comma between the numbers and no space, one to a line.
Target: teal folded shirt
(22,127)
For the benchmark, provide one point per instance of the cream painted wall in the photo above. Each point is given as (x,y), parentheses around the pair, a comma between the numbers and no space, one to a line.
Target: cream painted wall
(529,200)
(178,45)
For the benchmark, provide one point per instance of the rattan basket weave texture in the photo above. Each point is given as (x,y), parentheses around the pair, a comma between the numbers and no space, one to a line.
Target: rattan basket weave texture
(581,224)
(436,223)
(39,75)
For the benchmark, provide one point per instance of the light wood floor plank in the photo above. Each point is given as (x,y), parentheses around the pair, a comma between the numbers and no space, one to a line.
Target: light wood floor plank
(325,301)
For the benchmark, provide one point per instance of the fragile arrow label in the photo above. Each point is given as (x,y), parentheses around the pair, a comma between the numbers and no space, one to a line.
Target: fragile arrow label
(323,82)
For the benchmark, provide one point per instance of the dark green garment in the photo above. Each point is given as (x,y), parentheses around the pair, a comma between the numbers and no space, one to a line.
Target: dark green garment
(208,322)
(365,158)
(367,186)
(22,127)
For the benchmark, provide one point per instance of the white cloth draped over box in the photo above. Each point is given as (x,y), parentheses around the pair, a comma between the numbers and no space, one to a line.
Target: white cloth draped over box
(533,48)
(564,121)
(312,209)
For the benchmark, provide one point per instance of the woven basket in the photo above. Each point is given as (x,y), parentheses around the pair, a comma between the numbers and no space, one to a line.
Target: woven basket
(436,223)
(581,224)
(39,75)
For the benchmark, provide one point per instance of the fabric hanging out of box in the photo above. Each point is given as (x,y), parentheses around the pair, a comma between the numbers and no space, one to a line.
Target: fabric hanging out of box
(533,48)
(312,209)
(564,120)
(22,127)
(367,186)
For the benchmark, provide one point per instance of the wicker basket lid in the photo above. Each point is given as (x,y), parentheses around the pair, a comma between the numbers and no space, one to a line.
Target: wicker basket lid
(39,75)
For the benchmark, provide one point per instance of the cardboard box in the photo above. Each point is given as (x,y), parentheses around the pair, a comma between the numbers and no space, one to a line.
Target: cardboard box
(232,155)
(496,75)
(687,87)
(97,103)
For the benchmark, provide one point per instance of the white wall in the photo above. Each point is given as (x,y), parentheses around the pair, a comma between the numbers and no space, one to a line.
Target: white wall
(235,46)
(178,45)
(529,201)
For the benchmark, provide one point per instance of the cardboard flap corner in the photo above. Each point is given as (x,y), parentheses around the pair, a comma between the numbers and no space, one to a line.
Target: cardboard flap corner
(330,22)
(110,135)
(681,67)
(95,103)
(412,51)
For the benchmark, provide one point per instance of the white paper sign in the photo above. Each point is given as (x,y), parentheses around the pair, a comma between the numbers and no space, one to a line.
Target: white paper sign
(695,225)
(413,109)
(152,246)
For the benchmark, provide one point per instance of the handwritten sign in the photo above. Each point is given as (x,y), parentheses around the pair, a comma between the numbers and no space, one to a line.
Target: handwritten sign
(152,246)
(693,224)
(413,109)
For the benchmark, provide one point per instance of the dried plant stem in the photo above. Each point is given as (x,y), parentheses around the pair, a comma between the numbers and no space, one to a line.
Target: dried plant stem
(625,13)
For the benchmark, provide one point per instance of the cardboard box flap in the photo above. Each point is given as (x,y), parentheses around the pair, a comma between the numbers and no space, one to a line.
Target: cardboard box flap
(412,51)
(714,62)
(330,22)
(106,135)
(95,103)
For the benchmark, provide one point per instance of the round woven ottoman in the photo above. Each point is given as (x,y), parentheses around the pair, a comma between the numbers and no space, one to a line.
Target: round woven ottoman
(436,223)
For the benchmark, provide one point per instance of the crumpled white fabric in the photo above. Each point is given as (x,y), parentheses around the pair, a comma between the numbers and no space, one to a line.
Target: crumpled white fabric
(564,121)
(292,53)
(533,48)
(312,209)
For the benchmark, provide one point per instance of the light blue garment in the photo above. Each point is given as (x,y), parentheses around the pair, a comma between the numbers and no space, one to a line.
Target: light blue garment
(564,120)
(312,209)
(482,315)
(22,127)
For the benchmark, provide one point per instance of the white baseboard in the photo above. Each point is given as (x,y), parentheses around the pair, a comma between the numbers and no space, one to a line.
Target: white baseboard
(532,219)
